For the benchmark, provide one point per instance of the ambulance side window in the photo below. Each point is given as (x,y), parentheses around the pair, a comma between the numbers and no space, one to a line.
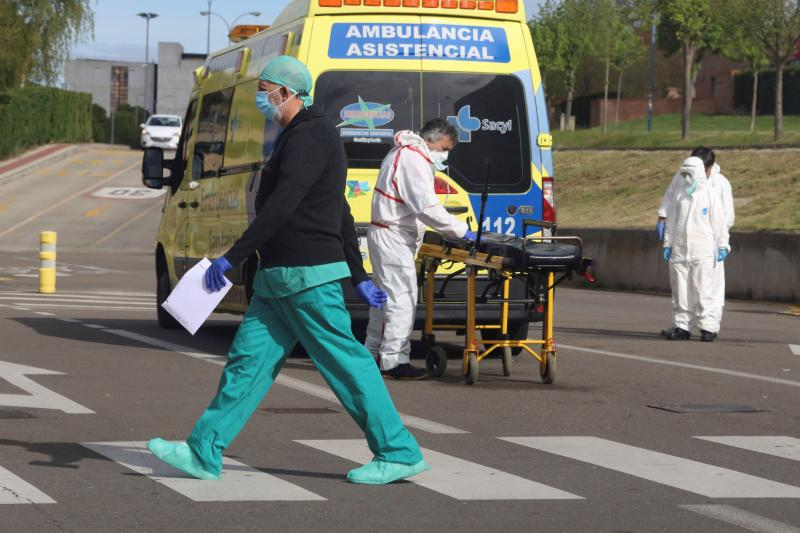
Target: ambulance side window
(212,129)
(182,153)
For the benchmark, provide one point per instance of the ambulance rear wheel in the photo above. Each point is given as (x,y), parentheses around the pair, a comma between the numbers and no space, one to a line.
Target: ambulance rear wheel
(163,288)
(547,368)
(471,375)
(436,361)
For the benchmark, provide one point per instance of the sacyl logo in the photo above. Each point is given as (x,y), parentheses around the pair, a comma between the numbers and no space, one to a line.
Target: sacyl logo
(465,123)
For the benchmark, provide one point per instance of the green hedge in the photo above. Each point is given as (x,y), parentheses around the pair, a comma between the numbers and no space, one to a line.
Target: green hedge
(125,128)
(33,116)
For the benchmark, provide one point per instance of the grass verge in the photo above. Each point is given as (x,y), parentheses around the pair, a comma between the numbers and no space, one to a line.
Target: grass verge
(623,189)
(711,130)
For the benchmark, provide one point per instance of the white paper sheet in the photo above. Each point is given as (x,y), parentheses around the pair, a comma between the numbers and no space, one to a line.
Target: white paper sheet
(190,303)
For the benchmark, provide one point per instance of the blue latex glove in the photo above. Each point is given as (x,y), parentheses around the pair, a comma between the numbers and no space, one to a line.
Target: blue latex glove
(370,294)
(667,252)
(470,235)
(215,275)
(722,254)
(660,227)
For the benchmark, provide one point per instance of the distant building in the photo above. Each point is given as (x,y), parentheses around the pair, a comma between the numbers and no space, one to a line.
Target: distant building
(162,87)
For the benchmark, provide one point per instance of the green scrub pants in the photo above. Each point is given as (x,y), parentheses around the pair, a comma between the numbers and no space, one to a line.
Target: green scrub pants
(318,319)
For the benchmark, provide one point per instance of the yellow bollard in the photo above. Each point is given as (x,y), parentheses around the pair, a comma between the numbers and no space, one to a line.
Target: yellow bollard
(47,255)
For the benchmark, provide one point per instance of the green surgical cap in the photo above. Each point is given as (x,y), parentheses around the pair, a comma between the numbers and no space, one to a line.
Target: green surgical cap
(292,74)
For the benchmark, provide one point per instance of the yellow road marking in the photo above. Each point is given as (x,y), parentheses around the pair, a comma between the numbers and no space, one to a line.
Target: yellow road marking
(96,212)
(67,199)
(128,223)
(5,205)
(95,162)
(78,161)
(62,173)
(792,311)
(5,279)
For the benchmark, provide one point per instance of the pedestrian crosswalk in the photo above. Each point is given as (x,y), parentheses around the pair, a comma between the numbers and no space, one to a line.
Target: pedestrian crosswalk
(83,300)
(457,477)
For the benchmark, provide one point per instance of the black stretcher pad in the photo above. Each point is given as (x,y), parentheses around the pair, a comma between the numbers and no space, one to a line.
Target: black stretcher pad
(554,256)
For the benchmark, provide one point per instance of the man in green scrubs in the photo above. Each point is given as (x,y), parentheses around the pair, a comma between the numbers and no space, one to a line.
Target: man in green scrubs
(306,240)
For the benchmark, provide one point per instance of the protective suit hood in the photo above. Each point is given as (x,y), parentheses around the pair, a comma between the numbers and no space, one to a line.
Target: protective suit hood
(694,172)
(410,139)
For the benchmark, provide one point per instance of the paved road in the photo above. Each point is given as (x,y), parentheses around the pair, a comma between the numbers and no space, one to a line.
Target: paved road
(588,453)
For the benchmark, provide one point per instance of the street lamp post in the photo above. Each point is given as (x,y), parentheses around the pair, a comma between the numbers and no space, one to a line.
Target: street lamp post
(651,75)
(147,17)
(224,21)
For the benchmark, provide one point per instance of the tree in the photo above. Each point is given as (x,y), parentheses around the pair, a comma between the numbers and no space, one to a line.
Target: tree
(691,26)
(776,25)
(614,42)
(628,47)
(547,34)
(36,35)
(740,43)
(561,35)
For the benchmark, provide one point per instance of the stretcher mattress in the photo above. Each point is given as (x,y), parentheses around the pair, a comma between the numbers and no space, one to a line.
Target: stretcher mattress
(554,256)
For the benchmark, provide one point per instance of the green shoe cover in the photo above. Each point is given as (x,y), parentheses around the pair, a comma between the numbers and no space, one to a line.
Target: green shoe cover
(179,456)
(379,472)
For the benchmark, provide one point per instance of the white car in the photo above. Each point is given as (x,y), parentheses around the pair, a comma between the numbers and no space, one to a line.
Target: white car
(161,131)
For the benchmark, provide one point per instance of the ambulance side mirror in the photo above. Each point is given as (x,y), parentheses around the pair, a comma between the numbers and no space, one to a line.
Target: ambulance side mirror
(153,168)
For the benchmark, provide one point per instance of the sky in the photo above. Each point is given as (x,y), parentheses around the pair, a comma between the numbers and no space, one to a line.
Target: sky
(120,34)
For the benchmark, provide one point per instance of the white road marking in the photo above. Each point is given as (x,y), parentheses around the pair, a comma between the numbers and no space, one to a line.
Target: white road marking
(693,476)
(95,326)
(14,489)
(38,396)
(451,476)
(741,518)
(80,296)
(795,348)
(70,320)
(784,447)
(18,308)
(128,193)
(97,307)
(42,313)
(293,383)
(723,371)
(67,199)
(238,483)
(33,300)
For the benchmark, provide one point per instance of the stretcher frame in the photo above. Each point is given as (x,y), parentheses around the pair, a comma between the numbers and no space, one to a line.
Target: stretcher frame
(542,349)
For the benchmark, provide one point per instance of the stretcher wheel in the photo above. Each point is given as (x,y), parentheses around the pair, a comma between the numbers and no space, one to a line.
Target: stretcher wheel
(436,361)
(547,368)
(507,352)
(471,375)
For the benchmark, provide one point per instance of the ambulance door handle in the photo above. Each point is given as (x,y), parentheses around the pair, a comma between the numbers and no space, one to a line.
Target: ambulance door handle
(194,205)
(182,204)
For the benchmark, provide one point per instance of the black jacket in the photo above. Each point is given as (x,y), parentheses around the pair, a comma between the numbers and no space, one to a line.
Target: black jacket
(302,217)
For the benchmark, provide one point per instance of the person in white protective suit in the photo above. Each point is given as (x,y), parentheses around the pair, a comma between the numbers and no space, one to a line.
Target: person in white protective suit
(695,244)
(404,202)
(722,187)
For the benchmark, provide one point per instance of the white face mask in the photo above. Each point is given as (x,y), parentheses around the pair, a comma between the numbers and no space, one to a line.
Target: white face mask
(439,159)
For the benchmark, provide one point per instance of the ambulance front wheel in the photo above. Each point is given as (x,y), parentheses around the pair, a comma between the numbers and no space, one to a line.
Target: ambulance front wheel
(436,361)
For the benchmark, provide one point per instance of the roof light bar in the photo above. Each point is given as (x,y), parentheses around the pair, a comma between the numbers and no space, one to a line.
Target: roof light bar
(499,6)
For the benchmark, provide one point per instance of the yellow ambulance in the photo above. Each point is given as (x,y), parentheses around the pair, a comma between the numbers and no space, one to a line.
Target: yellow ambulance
(379,66)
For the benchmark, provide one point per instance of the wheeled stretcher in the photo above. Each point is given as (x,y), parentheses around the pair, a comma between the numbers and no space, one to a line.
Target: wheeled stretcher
(541,262)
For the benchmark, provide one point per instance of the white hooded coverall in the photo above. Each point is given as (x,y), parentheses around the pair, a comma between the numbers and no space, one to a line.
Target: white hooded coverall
(696,229)
(722,187)
(403,203)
